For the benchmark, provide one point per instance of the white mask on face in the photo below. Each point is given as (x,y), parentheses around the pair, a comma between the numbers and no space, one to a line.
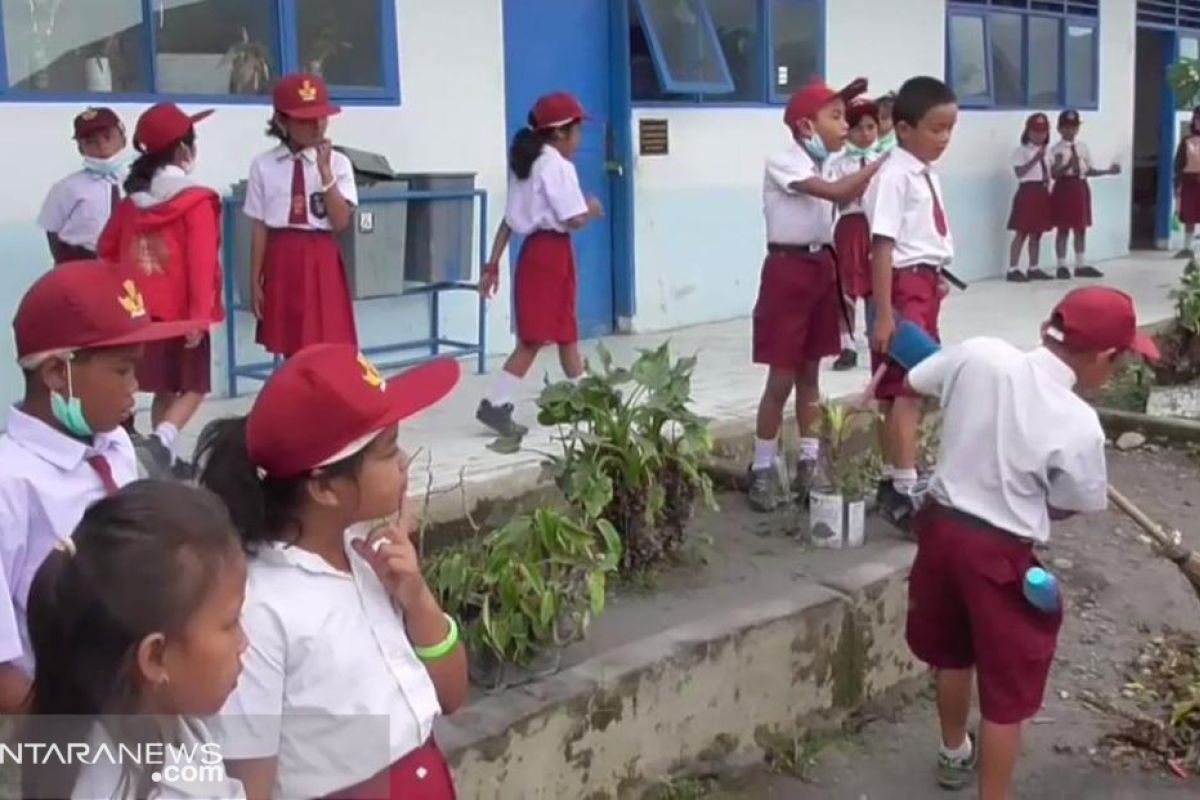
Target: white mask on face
(105,166)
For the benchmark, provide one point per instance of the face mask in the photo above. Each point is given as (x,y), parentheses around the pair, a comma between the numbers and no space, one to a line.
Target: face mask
(69,410)
(104,166)
(816,148)
(855,151)
(886,143)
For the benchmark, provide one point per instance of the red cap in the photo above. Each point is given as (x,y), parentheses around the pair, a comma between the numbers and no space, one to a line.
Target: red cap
(303,96)
(1038,122)
(328,402)
(81,305)
(93,120)
(162,126)
(807,101)
(857,109)
(1098,318)
(557,109)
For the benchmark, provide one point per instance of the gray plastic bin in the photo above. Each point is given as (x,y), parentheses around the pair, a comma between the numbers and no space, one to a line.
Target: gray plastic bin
(440,232)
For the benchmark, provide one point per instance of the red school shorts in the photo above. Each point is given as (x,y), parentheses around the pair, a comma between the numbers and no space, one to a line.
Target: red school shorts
(966,608)
(1072,204)
(1189,199)
(1031,209)
(852,241)
(171,368)
(796,317)
(916,297)
(544,290)
(422,774)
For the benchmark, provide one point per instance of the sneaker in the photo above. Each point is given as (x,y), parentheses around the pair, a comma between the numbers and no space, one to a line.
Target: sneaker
(1016,276)
(500,419)
(957,773)
(802,481)
(847,360)
(1088,272)
(896,507)
(1063,274)
(764,490)
(1184,253)
(1036,274)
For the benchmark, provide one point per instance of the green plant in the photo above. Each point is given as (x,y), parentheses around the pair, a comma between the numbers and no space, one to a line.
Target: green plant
(249,66)
(1180,345)
(632,451)
(1184,78)
(1187,299)
(849,457)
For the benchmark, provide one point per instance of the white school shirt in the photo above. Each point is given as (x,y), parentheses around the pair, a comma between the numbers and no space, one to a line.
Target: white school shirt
(78,207)
(1061,154)
(269,190)
(900,207)
(843,165)
(192,769)
(330,683)
(1015,436)
(1022,155)
(794,217)
(45,486)
(549,197)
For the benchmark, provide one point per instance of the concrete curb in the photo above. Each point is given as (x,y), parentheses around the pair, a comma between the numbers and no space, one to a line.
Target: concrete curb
(711,691)
(1116,422)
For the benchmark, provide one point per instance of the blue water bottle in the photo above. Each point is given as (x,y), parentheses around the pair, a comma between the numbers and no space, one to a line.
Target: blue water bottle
(1041,590)
(911,345)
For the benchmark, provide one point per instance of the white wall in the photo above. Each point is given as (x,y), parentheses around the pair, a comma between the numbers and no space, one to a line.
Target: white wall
(451,119)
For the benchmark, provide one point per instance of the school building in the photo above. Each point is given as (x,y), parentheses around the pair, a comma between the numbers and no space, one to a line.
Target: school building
(685,98)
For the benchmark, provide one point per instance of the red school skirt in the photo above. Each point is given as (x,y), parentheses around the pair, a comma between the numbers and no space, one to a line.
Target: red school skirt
(1031,209)
(852,241)
(1189,199)
(171,368)
(306,299)
(797,317)
(423,774)
(1072,204)
(916,297)
(544,290)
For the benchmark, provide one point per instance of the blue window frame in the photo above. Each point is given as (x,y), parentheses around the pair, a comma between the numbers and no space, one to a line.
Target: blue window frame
(1168,13)
(724,52)
(1024,53)
(195,51)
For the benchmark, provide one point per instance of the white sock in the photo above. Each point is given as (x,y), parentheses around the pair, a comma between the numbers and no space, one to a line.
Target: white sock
(847,341)
(168,434)
(889,472)
(961,753)
(1078,259)
(764,453)
(1187,240)
(504,388)
(810,449)
(1062,262)
(904,479)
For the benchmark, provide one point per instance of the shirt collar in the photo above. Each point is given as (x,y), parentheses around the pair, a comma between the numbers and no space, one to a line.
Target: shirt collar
(284,153)
(289,555)
(54,446)
(1053,366)
(908,162)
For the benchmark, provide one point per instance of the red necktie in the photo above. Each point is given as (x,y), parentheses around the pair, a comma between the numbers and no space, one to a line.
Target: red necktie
(939,214)
(1075,160)
(298,213)
(104,470)
(115,198)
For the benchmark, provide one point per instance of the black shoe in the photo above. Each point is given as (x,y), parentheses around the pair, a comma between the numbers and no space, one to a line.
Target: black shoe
(1036,274)
(764,491)
(500,419)
(897,508)
(1185,253)
(1063,274)
(1016,276)
(1088,272)
(802,480)
(847,360)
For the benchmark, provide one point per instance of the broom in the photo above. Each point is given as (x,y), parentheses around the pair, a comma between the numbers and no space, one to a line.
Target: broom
(1168,543)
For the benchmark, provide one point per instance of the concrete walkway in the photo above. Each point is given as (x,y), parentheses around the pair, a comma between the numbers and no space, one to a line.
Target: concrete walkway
(726,385)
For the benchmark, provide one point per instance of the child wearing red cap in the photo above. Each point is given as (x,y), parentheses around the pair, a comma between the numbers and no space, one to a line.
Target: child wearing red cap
(799,307)
(852,233)
(967,614)
(911,245)
(351,658)
(299,195)
(166,236)
(1187,183)
(79,335)
(1031,212)
(545,203)
(1071,198)
(77,207)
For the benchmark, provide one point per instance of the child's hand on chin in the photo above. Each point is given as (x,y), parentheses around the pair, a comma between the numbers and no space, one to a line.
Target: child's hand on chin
(390,552)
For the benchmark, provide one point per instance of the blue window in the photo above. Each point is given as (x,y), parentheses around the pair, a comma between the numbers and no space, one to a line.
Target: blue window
(195,50)
(1024,53)
(724,51)
(1168,13)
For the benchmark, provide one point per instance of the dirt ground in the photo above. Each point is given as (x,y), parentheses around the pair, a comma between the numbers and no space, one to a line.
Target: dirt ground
(1118,595)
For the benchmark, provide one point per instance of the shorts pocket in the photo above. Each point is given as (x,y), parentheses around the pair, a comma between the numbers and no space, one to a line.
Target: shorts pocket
(1030,632)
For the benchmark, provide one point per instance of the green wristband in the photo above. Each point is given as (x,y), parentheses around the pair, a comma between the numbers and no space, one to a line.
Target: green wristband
(442,648)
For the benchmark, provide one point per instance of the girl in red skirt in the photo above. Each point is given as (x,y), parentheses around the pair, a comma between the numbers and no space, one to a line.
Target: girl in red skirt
(166,236)
(852,234)
(1071,199)
(299,195)
(351,658)
(1187,184)
(545,203)
(1030,216)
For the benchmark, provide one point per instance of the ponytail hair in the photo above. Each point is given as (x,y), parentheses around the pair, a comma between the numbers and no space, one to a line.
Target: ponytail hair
(527,145)
(147,165)
(275,130)
(140,562)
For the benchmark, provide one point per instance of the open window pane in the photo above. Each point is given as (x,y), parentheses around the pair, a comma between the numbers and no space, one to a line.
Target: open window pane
(796,46)
(1044,46)
(1081,65)
(683,46)
(56,47)
(1008,63)
(736,23)
(1189,47)
(968,57)
(215,46)
(341,41)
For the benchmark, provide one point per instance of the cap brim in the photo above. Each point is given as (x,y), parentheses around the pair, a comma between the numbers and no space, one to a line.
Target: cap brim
(200,116)
(314,112)
(1145,346)
(853,89)
(152,332)
(415,390)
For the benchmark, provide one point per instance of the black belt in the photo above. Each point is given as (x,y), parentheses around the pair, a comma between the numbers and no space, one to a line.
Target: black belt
(951,278)
(980,524)
(798,249)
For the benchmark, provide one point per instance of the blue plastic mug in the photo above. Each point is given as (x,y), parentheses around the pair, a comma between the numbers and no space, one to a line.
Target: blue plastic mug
(911,345)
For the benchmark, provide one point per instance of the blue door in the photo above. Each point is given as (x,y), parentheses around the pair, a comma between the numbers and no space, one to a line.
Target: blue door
(553,45)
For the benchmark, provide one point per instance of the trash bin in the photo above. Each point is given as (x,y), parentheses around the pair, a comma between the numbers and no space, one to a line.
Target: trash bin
(440,232)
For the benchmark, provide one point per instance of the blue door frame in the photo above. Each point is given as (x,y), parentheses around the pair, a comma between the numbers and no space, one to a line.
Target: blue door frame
(1168,130)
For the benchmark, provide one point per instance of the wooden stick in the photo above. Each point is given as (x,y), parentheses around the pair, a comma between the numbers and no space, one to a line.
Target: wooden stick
(1152,528)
